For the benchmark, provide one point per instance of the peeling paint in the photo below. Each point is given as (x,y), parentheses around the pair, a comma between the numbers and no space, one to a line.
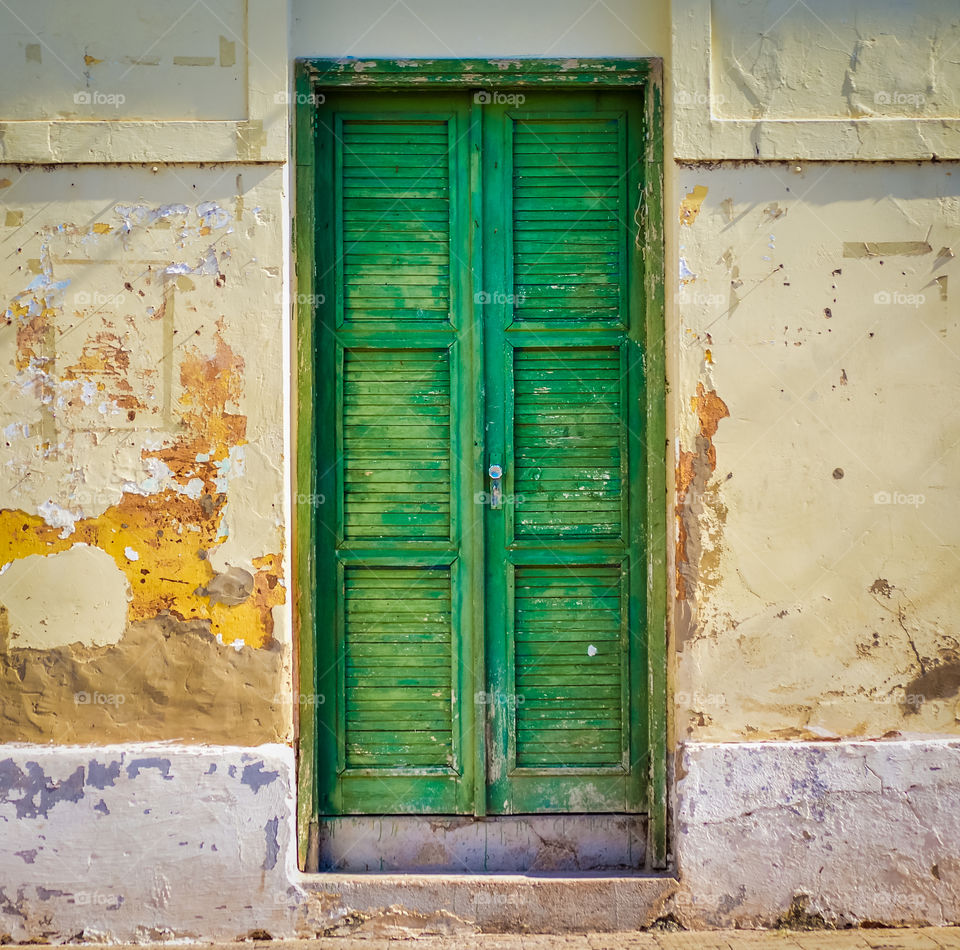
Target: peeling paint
(162,541)
(164,679)
(690,206)
(693,471)
(860,249)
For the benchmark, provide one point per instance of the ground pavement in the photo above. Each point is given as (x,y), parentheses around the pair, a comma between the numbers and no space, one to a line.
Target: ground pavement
(927,938)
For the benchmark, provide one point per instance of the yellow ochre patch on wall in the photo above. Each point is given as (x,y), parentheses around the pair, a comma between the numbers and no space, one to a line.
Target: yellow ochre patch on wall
(163,541)
(690,206)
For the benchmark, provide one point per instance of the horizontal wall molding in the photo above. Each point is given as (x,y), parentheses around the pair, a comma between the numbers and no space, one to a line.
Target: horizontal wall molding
(261,135)
(702,134)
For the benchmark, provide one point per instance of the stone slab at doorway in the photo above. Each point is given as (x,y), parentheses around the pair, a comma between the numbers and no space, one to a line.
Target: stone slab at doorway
(404,905)
(503,845)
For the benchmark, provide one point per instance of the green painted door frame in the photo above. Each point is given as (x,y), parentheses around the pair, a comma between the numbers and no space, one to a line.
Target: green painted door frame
(638,79)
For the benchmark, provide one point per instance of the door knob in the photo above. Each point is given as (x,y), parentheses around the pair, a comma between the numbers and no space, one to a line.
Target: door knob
(496,496)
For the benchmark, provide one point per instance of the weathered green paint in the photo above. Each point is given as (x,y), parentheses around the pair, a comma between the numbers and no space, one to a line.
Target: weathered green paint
(508,72)
(594,468)
(564,391)
(306,548)
(397,626)
(654,451)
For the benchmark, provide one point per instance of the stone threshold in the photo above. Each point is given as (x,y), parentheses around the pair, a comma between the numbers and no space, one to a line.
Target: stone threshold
(408,904)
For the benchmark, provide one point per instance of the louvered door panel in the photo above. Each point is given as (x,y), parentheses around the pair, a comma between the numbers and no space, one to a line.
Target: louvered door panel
(563,333)
(395,210)
(569,666)
(396,443)
(398,663)
(568,442)
(397,646)
(568,212)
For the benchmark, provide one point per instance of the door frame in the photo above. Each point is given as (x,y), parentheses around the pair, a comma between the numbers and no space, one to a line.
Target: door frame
(311,77)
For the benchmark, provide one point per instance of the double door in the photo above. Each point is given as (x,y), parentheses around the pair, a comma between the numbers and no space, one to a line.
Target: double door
(479,445)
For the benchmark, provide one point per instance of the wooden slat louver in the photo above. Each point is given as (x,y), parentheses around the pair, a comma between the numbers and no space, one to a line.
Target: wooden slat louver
(397,645)
(395,220)
(567,219)
(568,666)
(568,442)
(396,443)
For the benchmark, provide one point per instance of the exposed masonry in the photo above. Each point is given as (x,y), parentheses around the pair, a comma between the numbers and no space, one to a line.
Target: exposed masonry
(188,478)
(694,469)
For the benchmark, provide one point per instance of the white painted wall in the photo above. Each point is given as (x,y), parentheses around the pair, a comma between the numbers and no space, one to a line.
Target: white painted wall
(810,609)
(435,28)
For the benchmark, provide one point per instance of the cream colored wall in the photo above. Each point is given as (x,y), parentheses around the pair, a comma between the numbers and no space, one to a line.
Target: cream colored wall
(815,347)
(438,29)
(144,284)
(144,373)
(818,593)
(775,80)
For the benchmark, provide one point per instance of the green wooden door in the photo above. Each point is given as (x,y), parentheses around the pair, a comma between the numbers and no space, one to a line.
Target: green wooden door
(480,306)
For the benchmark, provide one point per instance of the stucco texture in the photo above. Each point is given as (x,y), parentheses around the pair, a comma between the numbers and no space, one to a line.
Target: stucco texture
(141,356)
(815,592)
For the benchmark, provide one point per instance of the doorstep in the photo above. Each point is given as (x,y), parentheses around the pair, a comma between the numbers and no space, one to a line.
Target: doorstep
(406,904)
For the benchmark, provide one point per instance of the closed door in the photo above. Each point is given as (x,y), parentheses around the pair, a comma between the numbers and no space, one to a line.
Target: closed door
(479,447)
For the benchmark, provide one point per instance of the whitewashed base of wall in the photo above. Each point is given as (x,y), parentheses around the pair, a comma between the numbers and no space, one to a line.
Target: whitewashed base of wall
(147,842)
(852,832)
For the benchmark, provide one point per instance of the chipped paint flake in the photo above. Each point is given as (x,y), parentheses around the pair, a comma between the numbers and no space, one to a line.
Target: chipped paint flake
(690,206)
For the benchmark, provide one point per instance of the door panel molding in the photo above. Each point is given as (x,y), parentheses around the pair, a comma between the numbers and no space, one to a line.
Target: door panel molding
(388,363)
(558,172)
(646,608)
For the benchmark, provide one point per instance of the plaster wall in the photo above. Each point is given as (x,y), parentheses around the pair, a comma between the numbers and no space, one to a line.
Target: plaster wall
(142,534)
(818,344)
(144,467)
